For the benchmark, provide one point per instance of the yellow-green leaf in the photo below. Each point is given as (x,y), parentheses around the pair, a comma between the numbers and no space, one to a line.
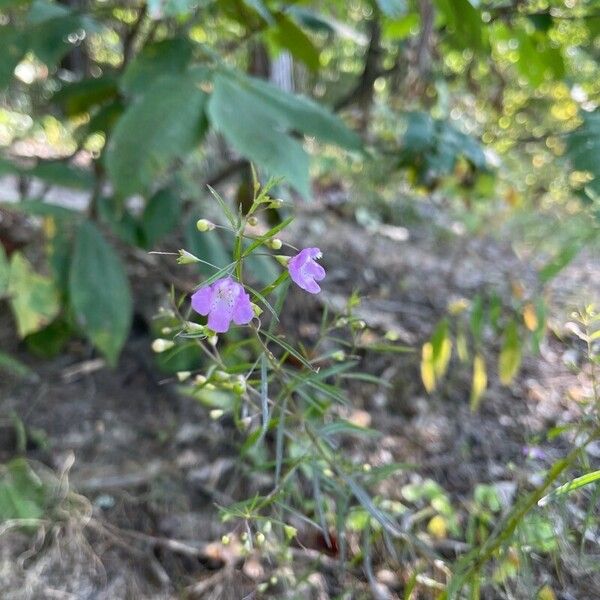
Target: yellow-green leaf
(479,383)
(427,368)
(510,355)
(34,298)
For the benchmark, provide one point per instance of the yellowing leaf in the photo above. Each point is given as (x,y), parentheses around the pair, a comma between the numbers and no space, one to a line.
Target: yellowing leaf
(443,357)
(33,298)
(462,348)
(479,383)
(530,317)
(437,527)
(510,355)
(427,369)
(546,593)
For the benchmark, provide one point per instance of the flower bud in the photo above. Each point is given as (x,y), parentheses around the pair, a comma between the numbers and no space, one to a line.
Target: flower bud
(186,258)
(239,387)
(159,345)
(203,225)
(290,532)
(192,327)
(282,259)
(360,324)
(257,310)
(339,355)
(225,540)
(252,221)
(183,375)
(200,380)
(166,330)
(275,204)
(260,539)
(220,376)
(213,339)
(216,413)
(246,422)
(366,467)
(275,244)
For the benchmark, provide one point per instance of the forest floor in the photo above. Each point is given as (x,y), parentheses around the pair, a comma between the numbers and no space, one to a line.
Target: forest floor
(151,465)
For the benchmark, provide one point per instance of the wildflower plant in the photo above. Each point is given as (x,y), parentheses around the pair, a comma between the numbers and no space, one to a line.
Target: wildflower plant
(288,403)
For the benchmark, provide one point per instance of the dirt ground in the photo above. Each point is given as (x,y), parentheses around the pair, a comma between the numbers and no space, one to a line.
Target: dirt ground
(151,465)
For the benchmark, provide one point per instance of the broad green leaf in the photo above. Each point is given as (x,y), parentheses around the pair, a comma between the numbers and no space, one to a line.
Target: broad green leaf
(99,292)
(463,20)
(583,150)
(34,298)
(163,124)
(161,216)
(571,486)
(299,113)
(402,28)
(289,36)
(22,493)
(510,355)
(259,135)
(167,57)
(538,61)
(114,213)
(49,341)
(62,174)
(13,47)
(79,96)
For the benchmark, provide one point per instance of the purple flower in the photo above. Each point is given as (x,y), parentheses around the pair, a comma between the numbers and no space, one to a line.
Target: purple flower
(223,301)
(305,272)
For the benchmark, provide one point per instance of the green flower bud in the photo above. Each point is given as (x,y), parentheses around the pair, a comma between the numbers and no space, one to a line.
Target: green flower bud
(200,380)
(225,540)
(339,355)
(290,532)
(216,413)
(257,310)
(203,225)
(239,387)
(220,376)
(260,539)
(186,258)
(183,375)
(275,244)
(252,221)
(282,259)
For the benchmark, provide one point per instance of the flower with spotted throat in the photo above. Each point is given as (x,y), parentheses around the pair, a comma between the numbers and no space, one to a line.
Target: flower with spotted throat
(305,271)
(223,301)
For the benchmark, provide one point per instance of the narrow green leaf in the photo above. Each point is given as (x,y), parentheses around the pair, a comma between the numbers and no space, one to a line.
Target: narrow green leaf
(571,486)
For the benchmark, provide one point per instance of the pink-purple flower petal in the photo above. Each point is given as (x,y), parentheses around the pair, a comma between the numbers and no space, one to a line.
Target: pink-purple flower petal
(223,301)
(305,272)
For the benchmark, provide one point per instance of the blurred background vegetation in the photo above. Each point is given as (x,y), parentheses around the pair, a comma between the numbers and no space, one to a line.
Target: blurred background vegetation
(444,155)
